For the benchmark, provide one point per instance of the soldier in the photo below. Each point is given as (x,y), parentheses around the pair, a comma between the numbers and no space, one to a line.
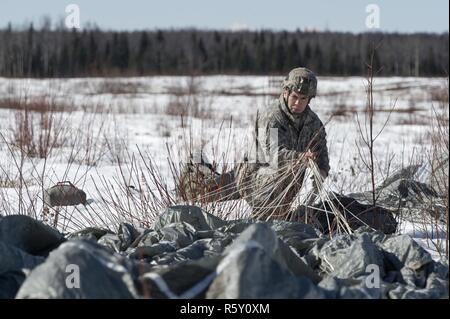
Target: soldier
(299,136)
(287,136)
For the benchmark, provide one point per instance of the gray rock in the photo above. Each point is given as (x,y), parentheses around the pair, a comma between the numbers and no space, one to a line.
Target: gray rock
(14,259)
(263,236)
(147,238)
(142,252)
(89,232)
(350,259)
(14,263)
(357,214)
(10,283)
(194,251)
(402,251)
(203,234)
(111,241)
(101,274)
(338,288)
(251,273)
(297,235)
(401,189)
(127,235)
(29,235)
(435,288)
(440,268)
(192,215)
(64,194)
(182,234)
(236,226)
(187,279)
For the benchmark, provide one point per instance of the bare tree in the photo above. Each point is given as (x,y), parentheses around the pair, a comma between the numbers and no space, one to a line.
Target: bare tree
(366,131)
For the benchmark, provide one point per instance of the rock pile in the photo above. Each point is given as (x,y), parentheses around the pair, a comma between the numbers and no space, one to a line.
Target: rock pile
(189,253)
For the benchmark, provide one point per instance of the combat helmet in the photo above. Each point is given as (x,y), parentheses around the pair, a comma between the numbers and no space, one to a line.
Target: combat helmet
(301,80)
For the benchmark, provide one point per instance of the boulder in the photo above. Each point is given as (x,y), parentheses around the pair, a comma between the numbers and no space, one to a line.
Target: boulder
(192,215)
(64,194)
(14,263)
(29,234)
(251,273)
(81,269)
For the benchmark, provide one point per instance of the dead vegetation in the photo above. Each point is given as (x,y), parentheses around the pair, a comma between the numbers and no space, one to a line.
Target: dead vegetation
(140,190)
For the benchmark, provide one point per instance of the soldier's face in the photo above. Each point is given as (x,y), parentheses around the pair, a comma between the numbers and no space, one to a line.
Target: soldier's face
(296,102)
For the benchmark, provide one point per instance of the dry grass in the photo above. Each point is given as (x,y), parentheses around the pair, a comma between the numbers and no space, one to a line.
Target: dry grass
(440,94)
(39,125)
(41,104)
(186,101)
(431,219)
(139,191)
(439,161)
(111,86)
(343,110)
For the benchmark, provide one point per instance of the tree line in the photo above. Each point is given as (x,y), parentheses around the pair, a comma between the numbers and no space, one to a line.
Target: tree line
(44,52)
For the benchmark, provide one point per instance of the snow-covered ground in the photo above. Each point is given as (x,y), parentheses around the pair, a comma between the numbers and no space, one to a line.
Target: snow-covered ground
(110,121)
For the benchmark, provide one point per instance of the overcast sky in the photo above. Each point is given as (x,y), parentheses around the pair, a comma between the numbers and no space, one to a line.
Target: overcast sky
(345,15)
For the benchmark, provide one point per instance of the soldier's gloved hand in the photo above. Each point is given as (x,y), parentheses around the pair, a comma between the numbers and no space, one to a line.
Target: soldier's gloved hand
(306,156)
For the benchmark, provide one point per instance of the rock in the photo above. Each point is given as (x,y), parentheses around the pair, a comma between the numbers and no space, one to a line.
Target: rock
(146,252)
(192,252)
(435,288)
(121,241)
(347,256)
(89,232)
(187,279)
(10,283)
(101,274)
(403,188)
(251,273)
(14,259)
(182,234)
(356,214)
(236,226)
(261,235)
(127,234)
(192,215)
(111,241)
(297,235)
(240,259)
(13,265)
(402,251)
(29,235)
(202,234)
(147,238)
(338,288)
(64,194)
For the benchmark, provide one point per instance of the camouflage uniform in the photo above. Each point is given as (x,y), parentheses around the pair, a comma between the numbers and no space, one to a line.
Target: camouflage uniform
(296,134)
(280,137)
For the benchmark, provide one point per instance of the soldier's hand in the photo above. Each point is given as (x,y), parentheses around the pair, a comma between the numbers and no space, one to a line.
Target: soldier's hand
(306,156)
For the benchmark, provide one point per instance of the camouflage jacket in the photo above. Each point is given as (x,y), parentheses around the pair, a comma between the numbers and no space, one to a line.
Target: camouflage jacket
(282,136)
